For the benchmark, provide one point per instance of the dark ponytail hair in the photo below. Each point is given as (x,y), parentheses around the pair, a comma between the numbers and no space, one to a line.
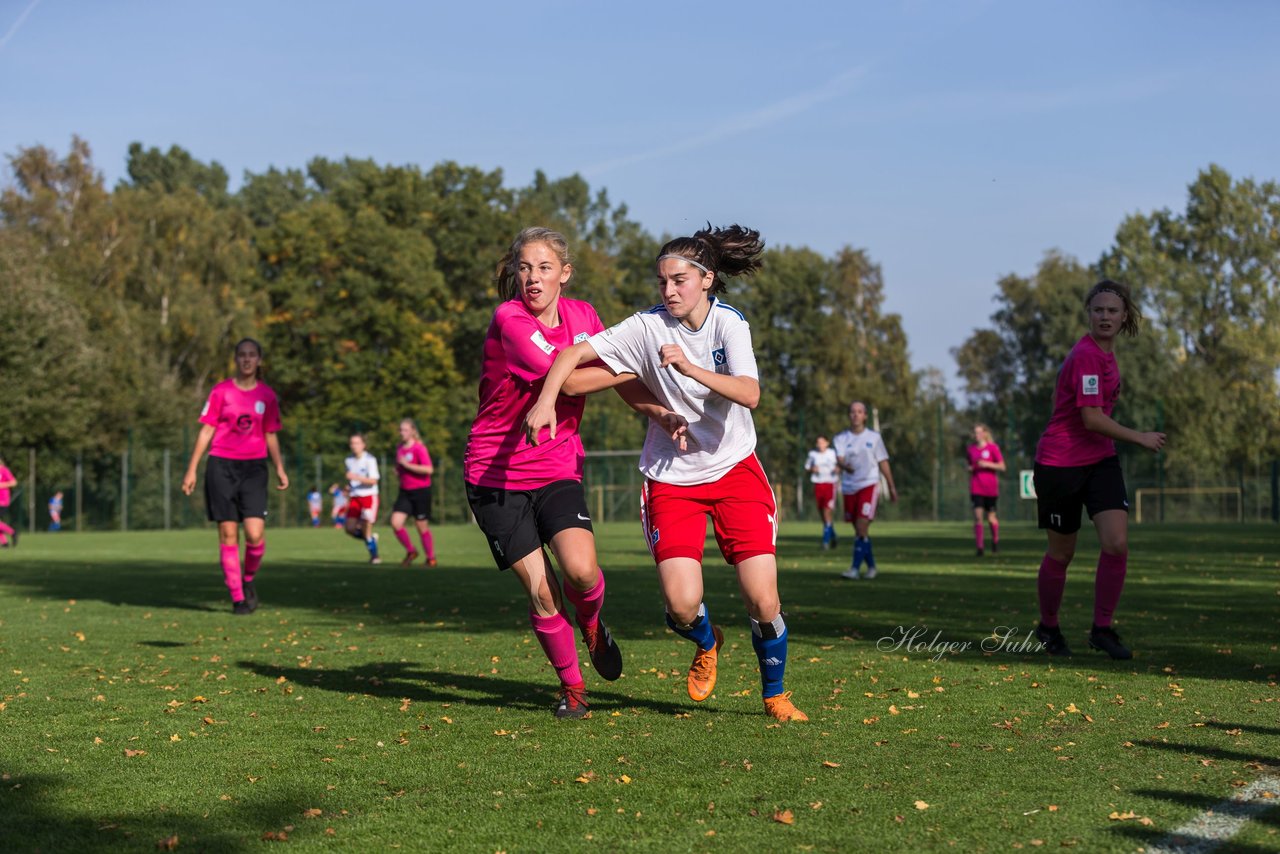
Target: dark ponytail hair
(1132,314)
(733,251)
(508,288)
(257,346)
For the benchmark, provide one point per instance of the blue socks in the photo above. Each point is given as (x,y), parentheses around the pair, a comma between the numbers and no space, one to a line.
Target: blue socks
(699,631)
(372,545)
(861,552)
(770,643)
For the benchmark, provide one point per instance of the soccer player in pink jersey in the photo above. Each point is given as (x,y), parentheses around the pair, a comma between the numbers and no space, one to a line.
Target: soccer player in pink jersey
(238,428)
(1076,466)
(694,353)
(985,460)
(525,496)
(413,466)
(8,536)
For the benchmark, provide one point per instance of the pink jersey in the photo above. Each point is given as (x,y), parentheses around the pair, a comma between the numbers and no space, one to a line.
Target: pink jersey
(1089,377)
(518,352)
(984,481)
(241,420)
(5,477)
(416,454)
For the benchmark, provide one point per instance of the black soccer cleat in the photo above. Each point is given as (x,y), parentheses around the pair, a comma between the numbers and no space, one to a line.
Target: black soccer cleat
(572,702)
(251,595)
(241,608)
(1051,637)
(1105,638)
(606,658)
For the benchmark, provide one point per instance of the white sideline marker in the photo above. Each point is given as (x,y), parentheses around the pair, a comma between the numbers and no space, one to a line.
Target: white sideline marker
(1215,826)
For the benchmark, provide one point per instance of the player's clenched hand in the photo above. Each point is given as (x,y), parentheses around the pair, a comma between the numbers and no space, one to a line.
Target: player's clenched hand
(1152,441)
(677,428)
(672,355)
(282,478)
(542,415)
(189,483)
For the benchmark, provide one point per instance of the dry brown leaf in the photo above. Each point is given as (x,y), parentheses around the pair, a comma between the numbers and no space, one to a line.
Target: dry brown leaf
(893,710)
(312,813)
(827,763)
(1164,725)
(132,753)
(97,740)
(168,843)
(921,805)
(275,836)
(784,817)
(624,780)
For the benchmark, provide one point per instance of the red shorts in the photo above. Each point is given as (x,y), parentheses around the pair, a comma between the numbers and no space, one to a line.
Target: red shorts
(862,504)
(363,507)
(824,495)
(742,508)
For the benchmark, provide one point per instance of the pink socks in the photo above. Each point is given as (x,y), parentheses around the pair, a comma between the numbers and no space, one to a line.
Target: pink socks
(253,559)
(995,533)
(230,557)
(1107,585)
(403,536)
(587,604)
(428,544)
(977,534)
(1050,584)
(556,636)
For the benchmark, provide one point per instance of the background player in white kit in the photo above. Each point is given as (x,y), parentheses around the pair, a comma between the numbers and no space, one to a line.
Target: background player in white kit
(823,467)
(863,459)
(362,506)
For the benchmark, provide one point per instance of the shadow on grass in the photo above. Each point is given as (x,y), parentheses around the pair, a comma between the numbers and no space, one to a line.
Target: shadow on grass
(403,680)
(35,816)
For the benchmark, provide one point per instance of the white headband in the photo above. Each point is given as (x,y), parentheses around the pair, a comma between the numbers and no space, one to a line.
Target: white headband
(687,260)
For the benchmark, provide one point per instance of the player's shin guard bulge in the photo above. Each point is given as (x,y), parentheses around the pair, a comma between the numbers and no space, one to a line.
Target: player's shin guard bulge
(709,638)
(769,639)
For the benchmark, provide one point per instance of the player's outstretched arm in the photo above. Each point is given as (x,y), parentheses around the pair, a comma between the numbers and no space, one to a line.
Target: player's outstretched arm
(543,413)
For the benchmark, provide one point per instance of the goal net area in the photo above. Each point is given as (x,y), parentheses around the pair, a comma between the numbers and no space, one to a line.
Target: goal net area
(1189,504)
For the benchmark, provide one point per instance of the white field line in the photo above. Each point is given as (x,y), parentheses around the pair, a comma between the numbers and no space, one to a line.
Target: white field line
(1215,826)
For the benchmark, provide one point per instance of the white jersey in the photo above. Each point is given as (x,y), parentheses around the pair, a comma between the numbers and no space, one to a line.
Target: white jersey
(721,433)
(365,465)
(822,466)
(864,452)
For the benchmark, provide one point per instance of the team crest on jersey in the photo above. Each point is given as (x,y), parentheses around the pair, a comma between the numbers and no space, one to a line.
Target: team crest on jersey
(717,356)
(541,343)
(580,337)
(1089,384)
(653,537)
(259,407)
(986,455)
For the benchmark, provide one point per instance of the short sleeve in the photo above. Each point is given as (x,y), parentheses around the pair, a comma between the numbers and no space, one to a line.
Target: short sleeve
(271,417)
(996,456)
(373,468)
(1085,378)
(212,407)
(424,457)
(740,357)
(621,346)
(881,452)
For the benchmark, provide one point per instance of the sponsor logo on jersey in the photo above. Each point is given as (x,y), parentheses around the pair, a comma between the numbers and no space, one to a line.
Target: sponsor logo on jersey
(541,343)
(1089,384)
(580,337)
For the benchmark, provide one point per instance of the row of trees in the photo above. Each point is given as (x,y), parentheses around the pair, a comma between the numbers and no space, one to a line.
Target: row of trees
(371,287)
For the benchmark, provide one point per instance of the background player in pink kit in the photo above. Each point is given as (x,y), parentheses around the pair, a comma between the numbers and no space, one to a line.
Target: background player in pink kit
(1076,466)
(413,466)
(362,504)
(239,423)
(8,536)
(985,460)
(524,495)
(694,353)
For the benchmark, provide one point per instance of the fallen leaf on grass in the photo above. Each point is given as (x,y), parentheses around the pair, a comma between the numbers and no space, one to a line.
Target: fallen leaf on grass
(97,740)
(921,805)
(132,753)
(1164,725)
(784,817)
(869,721)
(275,836)
(826,763)
(625,780)
(446,720)
(312,813)
(893,710)
(404,704)
(1129,815)
(168,843)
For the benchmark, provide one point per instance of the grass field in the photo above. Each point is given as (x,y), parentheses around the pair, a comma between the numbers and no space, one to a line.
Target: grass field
(383,707)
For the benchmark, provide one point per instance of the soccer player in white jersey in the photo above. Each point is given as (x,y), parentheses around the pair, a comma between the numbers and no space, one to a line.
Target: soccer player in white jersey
(863,460)
(823,467)
(362,506)
(693,352)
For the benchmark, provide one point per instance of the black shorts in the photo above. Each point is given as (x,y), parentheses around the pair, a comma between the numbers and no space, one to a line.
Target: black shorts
(235,490)
(415,503)
(1062,490)
(517,522)
(986,502)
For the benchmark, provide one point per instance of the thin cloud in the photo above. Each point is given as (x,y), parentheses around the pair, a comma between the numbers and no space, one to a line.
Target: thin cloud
(768,115)
(18,23)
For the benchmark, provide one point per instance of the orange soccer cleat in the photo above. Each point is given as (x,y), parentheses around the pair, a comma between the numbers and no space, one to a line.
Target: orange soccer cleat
(702,672)
(783,709)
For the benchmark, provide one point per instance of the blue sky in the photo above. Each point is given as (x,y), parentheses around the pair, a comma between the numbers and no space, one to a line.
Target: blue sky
(954,141)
